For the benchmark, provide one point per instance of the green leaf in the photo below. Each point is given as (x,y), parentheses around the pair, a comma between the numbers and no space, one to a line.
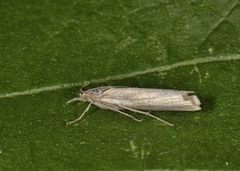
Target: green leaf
(49,48)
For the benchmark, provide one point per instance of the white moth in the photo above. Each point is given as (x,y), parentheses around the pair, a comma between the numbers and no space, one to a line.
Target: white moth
(138,100)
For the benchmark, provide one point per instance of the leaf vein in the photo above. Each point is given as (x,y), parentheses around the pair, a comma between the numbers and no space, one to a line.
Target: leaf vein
(123,76)
(219,22)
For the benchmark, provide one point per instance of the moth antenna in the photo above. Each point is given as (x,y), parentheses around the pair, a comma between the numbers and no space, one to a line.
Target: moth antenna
(85,84)
(82,91)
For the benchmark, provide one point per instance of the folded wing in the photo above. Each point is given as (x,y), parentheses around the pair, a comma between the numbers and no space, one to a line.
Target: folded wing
(152,99)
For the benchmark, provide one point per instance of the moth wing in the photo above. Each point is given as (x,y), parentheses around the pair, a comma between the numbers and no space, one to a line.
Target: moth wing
(152,99)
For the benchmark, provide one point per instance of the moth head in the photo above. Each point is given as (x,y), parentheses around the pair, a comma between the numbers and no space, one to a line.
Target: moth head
(85,96)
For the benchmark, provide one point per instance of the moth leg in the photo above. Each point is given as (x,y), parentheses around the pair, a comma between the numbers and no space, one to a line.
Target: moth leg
(130,116)
(80,117)
(117,110)
(146,113)
(73,100)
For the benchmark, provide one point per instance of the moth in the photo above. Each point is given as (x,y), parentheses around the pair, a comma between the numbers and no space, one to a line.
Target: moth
(138,100)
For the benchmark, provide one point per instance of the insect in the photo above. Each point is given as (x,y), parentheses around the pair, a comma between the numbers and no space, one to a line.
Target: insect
(138,100)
